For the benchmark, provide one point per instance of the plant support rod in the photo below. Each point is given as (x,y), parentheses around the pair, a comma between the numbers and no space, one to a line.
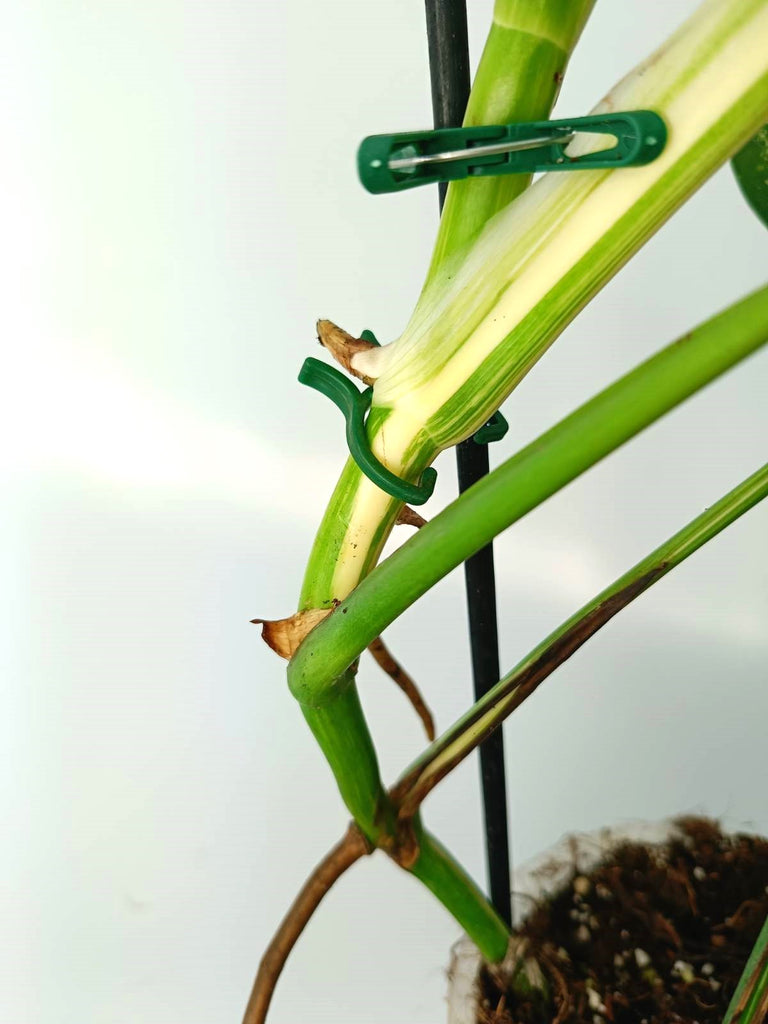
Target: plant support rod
(449,76)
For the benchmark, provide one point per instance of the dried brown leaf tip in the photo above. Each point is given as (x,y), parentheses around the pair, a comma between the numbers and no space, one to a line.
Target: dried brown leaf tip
(342,346)
(285,635)
(408,516)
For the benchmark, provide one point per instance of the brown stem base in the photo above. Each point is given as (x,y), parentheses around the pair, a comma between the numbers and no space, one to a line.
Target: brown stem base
(351,848)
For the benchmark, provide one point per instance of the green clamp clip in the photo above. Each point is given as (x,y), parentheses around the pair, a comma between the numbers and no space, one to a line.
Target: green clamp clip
(354,405)
(391,163)
(493,430)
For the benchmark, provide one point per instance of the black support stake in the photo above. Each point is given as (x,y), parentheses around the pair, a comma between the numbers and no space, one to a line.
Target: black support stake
(449,75)
(448,65)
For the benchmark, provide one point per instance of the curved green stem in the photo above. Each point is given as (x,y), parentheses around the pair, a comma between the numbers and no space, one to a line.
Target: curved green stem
(340,728)
(489,712)
(321,673)
(517,486)
(437,869)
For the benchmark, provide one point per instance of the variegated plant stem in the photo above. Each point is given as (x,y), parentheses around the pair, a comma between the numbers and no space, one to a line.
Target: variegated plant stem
(492,311)
(508,694)
(520,484)
(491,307)
(518,79)
(319,674)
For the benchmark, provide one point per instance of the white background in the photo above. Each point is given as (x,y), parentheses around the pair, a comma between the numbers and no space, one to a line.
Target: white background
(179,204)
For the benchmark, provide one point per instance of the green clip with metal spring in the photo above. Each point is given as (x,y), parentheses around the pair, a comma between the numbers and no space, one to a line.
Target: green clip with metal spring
(354,405)
(391,163)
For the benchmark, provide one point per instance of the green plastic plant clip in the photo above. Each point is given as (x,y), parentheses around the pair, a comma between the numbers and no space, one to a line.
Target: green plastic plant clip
(354,405)
(494,430)
(391,163)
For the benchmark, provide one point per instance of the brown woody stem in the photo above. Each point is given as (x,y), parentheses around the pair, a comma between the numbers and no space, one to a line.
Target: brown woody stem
(351,848)
(397,673)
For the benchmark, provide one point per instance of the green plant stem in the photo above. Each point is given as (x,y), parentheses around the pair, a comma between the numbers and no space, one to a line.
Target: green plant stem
(750,1000)
(517,486)
(518,79)
(320,674)
(340,729)
(339,726)
(490,711)
(446,880)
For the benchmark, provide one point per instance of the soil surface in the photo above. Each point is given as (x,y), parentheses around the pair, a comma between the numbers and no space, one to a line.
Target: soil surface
(654,934)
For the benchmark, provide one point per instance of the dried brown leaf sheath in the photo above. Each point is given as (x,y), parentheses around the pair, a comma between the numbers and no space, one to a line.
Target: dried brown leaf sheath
(410,517)
(285,635)
(342,346)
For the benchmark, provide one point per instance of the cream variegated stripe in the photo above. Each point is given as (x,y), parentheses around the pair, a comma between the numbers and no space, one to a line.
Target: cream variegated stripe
(517,79)
(554,22)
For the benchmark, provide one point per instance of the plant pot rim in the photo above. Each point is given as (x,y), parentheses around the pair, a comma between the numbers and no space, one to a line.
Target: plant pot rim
(538,877)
